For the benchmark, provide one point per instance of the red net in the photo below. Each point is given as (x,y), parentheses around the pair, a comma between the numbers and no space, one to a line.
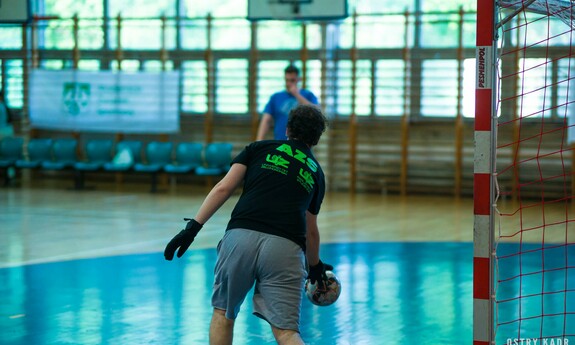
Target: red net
(535,233)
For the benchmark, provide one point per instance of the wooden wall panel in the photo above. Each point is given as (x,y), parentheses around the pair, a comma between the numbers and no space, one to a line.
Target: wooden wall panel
(431,154)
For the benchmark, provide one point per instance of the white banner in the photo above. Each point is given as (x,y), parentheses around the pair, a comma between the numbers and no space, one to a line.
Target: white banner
(105,101)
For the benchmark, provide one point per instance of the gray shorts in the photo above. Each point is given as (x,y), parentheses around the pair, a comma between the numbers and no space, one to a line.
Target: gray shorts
(275,264)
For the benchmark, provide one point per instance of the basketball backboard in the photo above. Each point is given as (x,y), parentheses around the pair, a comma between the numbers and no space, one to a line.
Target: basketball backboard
(297,9)
(14,11)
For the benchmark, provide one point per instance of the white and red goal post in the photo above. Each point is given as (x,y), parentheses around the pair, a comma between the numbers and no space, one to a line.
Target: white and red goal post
(524,168)
(483,174)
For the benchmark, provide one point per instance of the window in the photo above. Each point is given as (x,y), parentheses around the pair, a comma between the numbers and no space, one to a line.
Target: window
(14,83)
(144,33)
(232,86)
(389,87)
(69,8)
(156,65)
(440,30)
(439,88)
(58,34)
(90,34)
(217,8)
(127,65)
(89,65)
(378,6)
(343,88)
(468,102)
(534,88)
(279,35)
(391,29)
(137,34)
(11,37)
(194,87)
(231,34)
(541,30)
(52,64)
(194,34)
(566,88)
(270,80)
(362,88)
(448,6)
(141,8)
(314,36)
(313,78)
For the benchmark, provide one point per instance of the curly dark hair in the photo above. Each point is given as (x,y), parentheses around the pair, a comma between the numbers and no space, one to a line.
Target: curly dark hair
(306,123)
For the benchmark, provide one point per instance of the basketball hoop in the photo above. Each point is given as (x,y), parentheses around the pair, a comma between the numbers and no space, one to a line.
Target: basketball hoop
(295,4)
(297,9)
(15,11)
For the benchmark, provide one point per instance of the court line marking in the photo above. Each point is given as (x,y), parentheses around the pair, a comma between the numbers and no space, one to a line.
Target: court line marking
(87,254)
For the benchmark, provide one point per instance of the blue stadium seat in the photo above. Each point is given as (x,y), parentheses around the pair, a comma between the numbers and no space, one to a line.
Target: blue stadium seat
(64,155)
(217,158)
(158,155)
(188,158)
(98,152)
(131,147)
(11,150)
(39,150)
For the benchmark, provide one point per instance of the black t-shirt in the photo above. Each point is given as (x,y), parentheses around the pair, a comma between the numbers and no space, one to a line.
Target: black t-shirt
(283,180)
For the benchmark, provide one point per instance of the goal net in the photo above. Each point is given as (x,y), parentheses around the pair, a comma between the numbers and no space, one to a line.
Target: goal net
(524,245)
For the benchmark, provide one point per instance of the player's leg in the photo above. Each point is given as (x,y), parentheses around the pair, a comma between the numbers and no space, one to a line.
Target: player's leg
(287,336)
(234,277)
(277,297)
(221,328)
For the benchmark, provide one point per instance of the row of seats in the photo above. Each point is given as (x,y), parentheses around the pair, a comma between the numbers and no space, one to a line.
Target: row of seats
(212,159)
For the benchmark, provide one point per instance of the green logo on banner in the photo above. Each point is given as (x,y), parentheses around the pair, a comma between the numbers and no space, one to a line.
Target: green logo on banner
(76,97)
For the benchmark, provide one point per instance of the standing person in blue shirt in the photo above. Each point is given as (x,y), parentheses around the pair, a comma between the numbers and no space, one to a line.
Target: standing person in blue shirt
(280,103)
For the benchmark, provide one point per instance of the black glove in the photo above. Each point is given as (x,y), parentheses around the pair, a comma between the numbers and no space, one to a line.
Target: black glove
(183,239)
(317,272)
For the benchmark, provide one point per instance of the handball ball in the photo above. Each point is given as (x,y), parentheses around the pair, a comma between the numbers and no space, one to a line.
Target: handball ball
(320,295)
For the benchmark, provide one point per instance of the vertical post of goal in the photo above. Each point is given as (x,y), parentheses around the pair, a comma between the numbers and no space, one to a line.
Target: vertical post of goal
(484,167)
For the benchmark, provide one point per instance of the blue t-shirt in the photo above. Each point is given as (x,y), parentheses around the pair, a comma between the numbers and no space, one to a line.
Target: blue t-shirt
(279,106)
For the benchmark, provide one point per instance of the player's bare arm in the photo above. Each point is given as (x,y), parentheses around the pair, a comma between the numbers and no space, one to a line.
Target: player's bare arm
(265,124)
(312,239)
(221,193)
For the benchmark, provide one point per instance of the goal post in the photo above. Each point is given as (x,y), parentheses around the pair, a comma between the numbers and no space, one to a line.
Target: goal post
(524,207)
(483,184)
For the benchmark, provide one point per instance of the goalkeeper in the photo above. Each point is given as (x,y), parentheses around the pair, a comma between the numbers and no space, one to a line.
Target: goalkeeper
(272,231)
